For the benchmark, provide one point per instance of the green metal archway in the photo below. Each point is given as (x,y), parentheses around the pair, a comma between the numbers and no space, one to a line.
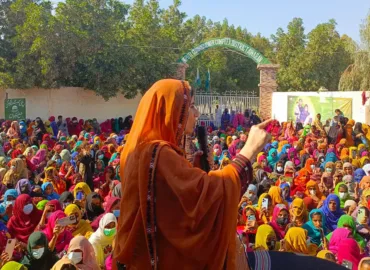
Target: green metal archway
(244,48)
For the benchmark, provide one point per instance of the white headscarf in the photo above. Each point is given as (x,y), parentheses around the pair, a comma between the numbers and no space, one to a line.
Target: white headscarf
(99,240)
(366,168)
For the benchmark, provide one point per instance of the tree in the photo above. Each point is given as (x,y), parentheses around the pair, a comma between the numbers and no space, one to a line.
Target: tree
(356,76)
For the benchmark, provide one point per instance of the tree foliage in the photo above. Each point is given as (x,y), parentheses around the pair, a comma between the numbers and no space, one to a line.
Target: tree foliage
(111,47)
(356,76)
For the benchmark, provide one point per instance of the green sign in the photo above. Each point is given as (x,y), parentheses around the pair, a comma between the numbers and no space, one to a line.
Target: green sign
(252,53)
(15,109)
(305,108)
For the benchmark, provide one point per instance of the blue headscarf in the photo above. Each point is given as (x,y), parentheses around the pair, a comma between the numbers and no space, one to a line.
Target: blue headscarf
(330,157)
(275,144)
(288,198)
(9,192)
(53,195)
(272,160)
(284,150)
(313,232)
(223,155)
(267,147)
(359,174)
(332,217)
(73,161)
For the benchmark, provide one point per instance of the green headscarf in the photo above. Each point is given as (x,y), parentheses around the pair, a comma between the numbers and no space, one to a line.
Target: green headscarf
(44,146)
(306,130)
(41,204)
(346,198)
(348,222)
(47,260)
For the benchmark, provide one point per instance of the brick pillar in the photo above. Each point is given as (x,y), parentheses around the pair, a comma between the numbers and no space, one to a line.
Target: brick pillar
(267,86)
(181,71)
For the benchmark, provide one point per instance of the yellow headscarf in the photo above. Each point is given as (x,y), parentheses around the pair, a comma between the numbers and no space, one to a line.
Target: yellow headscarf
(300,213)
(295,241)
(82,185)
(229,140)
(275,194)
(83,227)
(263,232)
(281,144)
(322,254)
(259,208)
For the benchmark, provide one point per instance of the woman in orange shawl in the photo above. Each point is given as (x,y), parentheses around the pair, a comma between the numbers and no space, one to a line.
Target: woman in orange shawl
(348,130)
(173,214)
(314,196)
(344,154)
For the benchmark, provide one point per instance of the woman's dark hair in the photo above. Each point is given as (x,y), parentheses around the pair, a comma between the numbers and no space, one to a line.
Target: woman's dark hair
(298,126)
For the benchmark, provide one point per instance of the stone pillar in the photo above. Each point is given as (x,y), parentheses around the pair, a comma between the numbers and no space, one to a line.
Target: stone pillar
(267,86)
(181,71)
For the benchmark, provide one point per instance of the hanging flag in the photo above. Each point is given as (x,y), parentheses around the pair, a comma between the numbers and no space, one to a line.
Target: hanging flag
(198,81)
(208,81)
(364,98)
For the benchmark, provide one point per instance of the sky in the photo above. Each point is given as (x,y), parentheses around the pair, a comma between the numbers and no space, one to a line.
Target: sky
(267,16)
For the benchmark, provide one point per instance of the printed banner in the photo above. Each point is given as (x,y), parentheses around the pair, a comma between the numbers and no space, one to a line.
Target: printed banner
(304,109)
(15,109)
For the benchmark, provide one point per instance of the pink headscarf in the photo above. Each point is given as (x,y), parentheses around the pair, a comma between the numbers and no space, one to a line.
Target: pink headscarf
(64,238)
(338,236)
(349,251)
(39,157)
(280,232)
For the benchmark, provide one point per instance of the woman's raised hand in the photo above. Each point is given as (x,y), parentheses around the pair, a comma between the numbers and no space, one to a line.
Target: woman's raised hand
(257,139)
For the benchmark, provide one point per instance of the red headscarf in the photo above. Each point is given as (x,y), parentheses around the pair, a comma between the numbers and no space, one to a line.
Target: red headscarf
(64,237)
(21,225)
(54,203)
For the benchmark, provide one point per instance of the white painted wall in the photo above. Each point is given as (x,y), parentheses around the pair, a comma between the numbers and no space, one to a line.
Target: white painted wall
(69,102)
(359,113)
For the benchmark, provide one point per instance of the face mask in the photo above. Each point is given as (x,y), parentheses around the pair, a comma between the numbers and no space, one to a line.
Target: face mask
(342,195)
(37,253)
(109,232)
(329,170)
(282,221)
(116,213)
(313,167)
(313,192)
(100,156)
(27,209)
(271,245)
(48,214)
(75,257)
(279,169)
(264,178)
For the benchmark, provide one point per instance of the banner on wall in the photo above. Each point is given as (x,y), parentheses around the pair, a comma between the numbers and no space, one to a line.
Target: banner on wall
(15,109)
(304,109)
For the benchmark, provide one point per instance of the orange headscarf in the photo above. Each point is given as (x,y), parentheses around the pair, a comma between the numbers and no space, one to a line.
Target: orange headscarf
(194,211)
(344,153)
(319,194)
(307,166)
(348,131)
